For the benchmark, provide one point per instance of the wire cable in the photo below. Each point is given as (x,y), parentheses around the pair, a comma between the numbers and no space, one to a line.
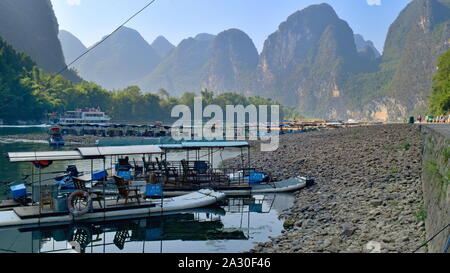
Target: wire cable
(93,47)
(429,240)
(106,37)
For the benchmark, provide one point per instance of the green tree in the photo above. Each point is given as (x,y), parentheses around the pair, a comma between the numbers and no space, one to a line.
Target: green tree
(440,95)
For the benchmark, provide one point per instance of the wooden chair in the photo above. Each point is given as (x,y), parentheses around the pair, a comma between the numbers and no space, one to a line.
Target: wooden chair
(169,171)
(159,164)
(138,170)
(46,197)
(96,195)
(189,174)
(147,166)
(125,191)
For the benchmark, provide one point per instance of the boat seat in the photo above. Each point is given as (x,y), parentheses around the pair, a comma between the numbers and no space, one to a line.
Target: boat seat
(96,195)
(46,196)
(125,191)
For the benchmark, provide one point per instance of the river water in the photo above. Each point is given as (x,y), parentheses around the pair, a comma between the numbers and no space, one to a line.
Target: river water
(232,226)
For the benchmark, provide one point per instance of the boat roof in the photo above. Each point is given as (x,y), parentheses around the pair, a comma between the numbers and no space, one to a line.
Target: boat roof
(44,156)
(83,153)
(204,144)
(119,150)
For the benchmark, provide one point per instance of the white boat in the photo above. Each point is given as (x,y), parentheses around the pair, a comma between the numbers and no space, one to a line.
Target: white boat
(288,185)
(22,216)
(200,173)
(92,116)
(106,208)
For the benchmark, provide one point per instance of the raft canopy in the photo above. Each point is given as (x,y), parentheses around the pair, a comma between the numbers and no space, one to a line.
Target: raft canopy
(44,156)
(119,150)
(83,153)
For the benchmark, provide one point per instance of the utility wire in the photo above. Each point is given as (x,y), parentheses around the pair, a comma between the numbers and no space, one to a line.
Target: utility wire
(96,45)
(429,240)
(106,37)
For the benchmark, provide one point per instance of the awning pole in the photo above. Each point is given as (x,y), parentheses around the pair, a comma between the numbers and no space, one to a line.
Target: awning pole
(40,196)
(248,150)
(32,184)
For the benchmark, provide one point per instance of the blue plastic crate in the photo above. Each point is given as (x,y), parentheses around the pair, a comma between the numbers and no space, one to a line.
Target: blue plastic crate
(153,190)
(99,175)
(124,174)
(18,191)
(256,178)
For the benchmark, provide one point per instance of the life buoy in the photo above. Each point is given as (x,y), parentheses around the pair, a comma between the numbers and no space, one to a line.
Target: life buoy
(79,211)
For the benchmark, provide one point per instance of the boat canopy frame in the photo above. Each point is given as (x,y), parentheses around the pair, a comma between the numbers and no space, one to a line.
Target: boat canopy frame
(84,153)
(210,146)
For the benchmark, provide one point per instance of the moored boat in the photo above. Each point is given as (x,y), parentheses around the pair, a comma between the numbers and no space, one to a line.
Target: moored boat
(88,197)
(55,138)
(34,215)
(194,172)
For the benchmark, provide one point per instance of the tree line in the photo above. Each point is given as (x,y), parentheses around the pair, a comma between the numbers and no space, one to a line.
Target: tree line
(28,94)
(439,100)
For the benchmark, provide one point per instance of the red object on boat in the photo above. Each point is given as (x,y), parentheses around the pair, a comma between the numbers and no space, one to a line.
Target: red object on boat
(42,164)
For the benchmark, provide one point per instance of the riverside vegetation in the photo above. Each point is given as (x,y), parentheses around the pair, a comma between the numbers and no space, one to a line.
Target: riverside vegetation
(27,94)
(368,190)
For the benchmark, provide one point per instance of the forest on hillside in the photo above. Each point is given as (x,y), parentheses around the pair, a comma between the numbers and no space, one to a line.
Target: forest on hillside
(440,94)
(28,94)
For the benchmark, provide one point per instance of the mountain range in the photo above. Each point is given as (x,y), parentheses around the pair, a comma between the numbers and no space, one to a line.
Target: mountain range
(313,61)
(31,27)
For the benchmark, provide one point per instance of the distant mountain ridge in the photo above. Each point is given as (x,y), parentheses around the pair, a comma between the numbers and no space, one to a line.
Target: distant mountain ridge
(119,61)
(366,47)
(31,27)
(305,61)
(399,88)
(314,61)
(183,69)
(162,46)
(71,45)
(232,66)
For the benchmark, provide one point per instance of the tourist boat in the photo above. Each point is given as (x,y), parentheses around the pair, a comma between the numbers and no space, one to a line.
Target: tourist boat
(89,198)
(194,172)
(91,116)
(55,138)
(34,215)
(183,176)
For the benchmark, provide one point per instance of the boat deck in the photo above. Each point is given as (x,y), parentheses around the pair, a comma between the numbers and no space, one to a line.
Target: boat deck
(111,205)
(8,204)
(217,187)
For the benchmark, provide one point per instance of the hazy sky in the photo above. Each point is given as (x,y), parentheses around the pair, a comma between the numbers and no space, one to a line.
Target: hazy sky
(90,20)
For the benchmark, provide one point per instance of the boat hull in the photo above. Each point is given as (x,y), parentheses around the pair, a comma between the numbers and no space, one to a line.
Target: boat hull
(192,200)
(289,185)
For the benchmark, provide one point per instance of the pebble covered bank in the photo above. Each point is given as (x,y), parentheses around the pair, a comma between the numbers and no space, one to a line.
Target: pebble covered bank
(367,196)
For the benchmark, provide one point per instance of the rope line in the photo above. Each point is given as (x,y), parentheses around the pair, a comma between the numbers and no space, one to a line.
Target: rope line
(429,240)
(93,47)
(106,37)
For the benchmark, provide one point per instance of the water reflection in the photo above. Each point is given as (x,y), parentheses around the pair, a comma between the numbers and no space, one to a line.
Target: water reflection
(231,227)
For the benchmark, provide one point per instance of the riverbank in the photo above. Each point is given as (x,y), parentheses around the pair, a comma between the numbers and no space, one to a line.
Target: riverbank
(368,192)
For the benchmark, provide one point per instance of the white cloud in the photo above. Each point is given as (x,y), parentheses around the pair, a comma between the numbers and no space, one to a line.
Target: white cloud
(74,2)
(374,2)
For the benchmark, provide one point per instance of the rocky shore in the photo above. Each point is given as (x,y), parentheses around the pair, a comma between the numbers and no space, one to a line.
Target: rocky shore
(367,197)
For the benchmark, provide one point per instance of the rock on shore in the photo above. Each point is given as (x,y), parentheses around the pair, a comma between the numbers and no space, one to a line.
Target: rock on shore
(367,197)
